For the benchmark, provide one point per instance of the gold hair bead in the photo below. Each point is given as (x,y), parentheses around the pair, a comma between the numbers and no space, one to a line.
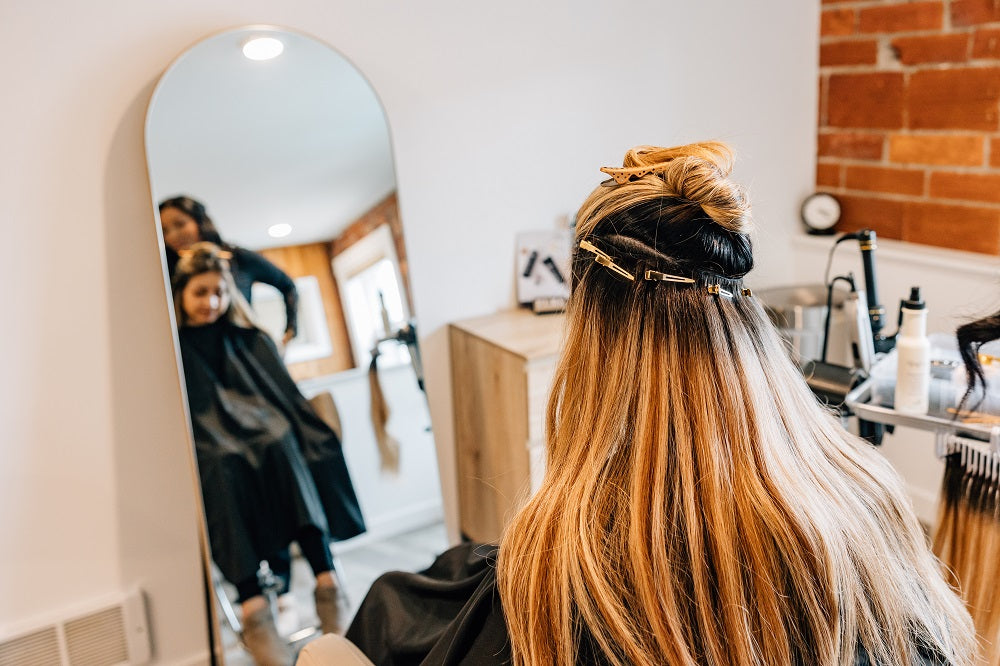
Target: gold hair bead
(747,293)
(605,260)
(717,290)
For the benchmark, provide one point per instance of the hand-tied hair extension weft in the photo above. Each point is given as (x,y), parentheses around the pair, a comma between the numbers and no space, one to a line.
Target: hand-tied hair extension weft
(967,538)
(698,506)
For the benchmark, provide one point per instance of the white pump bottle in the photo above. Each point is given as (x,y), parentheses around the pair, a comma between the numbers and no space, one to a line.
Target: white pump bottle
(913,349)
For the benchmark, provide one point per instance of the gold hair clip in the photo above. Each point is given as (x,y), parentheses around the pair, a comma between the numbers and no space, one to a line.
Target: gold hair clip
(605,260)
(667,277)
(622,175)
(717,290)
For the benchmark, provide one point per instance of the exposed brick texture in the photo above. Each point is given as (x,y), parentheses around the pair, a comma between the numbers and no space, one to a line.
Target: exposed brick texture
(866,100)
(909,118)
(837,22)
(965,98)
(828,174)
(959,227)
(885,216)
(986,44)
(974,12)
(851,144)
(968,186)
(932,48)
(901,17)
(824,87)
(936,149)
(880,179)
(848,52)
(995,152)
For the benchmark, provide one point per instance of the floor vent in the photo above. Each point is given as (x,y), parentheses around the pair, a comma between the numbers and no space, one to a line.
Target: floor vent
(104,634)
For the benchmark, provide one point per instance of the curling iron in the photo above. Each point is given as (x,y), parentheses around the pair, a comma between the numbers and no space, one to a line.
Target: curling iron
(876,312)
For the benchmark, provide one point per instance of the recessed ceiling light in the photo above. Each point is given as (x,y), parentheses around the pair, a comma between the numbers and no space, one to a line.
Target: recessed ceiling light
(262,48)
(279,230)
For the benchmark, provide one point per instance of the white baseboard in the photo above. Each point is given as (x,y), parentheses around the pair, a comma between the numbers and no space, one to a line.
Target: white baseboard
(392,524)
(202,659)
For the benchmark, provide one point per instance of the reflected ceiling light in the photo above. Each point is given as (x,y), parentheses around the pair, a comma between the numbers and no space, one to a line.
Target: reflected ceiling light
(262,48)
(279,230)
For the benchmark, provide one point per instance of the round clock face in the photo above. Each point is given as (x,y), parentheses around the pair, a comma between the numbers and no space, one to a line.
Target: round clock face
(820,212)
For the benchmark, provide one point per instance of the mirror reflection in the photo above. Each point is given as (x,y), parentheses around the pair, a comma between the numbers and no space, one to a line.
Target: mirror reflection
(275,185)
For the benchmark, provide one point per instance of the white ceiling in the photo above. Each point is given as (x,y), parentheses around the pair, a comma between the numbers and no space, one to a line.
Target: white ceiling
(301,139)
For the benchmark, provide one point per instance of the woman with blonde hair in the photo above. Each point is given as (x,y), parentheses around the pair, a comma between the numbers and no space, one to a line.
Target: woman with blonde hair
(699,506)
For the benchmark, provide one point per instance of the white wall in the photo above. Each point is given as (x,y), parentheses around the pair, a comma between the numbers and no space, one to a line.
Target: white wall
(501,115)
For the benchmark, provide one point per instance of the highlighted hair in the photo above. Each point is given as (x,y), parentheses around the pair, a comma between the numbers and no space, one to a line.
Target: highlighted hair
(699,506)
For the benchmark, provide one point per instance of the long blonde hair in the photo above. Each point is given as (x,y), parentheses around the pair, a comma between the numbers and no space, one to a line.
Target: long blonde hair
(699,506)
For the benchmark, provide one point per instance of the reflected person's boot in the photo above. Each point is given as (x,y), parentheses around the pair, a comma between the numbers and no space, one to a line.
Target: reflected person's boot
(329,609)
(265,645)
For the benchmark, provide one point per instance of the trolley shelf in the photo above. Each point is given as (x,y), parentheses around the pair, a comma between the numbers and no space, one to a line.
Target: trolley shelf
(859,402)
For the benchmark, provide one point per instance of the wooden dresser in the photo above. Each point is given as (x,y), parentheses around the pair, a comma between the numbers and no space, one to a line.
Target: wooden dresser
(502,367)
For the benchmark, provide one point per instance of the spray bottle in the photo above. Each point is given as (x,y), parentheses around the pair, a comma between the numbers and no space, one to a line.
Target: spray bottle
(913,370)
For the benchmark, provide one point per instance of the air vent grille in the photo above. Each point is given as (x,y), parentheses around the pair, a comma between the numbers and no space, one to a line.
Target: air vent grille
(97,639)
(39,648)
(105,632)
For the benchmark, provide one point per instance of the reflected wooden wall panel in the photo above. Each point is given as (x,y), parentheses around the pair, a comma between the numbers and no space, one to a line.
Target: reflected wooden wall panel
(314,259)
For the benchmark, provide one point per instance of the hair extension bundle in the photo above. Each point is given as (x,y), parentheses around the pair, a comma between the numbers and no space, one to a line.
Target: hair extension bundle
(967,538)
(388,446)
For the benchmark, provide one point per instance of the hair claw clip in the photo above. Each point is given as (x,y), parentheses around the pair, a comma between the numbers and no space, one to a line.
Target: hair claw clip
(605,260)
(622,175)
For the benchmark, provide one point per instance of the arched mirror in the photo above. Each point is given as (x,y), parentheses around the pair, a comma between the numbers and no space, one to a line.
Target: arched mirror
(295,327)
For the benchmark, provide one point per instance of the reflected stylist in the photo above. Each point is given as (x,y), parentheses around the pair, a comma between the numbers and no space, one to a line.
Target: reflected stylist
(185,222)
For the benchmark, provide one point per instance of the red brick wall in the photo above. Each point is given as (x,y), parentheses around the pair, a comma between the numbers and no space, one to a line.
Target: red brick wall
(909,119)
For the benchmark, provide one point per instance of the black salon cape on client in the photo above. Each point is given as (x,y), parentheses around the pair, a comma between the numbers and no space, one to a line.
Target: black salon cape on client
(269,465)
(448,614)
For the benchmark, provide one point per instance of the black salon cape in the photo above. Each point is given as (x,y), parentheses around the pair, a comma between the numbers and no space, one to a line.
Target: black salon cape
(448,614)
(268,464)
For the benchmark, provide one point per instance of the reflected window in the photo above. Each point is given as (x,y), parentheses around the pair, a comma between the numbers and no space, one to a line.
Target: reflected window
(371,291)
(313,339)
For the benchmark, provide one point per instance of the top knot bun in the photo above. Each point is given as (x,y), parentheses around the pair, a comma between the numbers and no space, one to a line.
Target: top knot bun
(697,172)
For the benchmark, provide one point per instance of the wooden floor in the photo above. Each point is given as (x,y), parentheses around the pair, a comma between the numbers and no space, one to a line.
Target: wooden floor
(358,565)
